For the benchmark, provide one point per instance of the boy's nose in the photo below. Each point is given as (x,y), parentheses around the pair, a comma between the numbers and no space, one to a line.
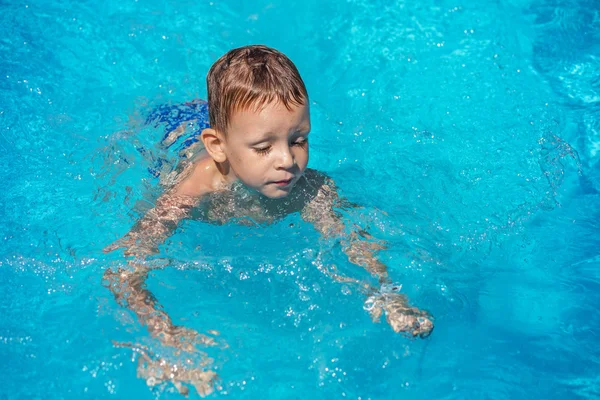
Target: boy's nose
(286,159)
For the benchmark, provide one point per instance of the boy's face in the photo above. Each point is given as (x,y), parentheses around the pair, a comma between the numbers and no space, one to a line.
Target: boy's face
(268,149)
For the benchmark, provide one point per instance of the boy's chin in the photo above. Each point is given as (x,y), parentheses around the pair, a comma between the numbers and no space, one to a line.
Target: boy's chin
(279,194)
(276,193)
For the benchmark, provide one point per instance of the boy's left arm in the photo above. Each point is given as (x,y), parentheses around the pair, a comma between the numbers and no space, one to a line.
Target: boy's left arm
(361,249)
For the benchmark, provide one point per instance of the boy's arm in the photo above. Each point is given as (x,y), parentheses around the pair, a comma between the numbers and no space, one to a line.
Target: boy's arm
(358,245)
(155,226)
(159,222)
(361,249)
(129,288)
(142,240)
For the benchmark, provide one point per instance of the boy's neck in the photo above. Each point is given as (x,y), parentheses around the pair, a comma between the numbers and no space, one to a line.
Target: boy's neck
(226,175)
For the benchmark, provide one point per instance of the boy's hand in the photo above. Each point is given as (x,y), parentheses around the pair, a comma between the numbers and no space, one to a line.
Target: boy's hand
(155,370)
(399,314)
(158,371)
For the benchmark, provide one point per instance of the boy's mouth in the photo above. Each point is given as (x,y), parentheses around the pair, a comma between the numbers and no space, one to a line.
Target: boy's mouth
(283,183)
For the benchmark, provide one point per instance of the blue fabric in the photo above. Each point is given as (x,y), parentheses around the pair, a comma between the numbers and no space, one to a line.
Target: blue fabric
(194,113)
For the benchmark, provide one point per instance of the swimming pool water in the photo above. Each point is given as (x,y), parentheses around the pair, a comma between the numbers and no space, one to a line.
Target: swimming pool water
(468,131)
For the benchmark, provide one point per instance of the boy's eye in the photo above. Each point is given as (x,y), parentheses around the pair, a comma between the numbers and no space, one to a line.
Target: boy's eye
(262,150)
(300,142)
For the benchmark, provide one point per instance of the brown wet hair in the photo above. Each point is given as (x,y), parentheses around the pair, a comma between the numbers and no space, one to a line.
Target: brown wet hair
(248,78)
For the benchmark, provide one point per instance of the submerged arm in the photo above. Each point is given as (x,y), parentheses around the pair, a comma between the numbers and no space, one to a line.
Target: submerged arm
(161,221)
(129,288)
(361,249)
(128,285)
(156,226)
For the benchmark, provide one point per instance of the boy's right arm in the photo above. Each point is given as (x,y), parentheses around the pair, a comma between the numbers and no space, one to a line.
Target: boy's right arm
(159,222)
(128,285)
(156,226)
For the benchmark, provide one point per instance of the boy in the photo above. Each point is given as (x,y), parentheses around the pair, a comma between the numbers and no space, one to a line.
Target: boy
(254,166)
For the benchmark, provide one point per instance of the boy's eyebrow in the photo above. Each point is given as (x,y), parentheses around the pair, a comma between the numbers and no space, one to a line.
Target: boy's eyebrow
(263,137)
(305,128)
(270,135)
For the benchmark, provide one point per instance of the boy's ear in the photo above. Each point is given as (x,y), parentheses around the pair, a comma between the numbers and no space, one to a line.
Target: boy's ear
(213,143)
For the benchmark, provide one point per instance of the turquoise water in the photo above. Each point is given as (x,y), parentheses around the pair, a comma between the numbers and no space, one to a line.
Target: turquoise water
(469,131)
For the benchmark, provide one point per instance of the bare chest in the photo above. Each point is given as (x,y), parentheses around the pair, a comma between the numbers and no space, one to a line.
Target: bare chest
(239,206)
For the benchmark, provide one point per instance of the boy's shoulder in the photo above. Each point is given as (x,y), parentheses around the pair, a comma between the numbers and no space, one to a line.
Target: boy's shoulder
(197,178)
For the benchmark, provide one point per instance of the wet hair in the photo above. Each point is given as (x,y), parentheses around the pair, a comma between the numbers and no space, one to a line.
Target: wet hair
(249,78)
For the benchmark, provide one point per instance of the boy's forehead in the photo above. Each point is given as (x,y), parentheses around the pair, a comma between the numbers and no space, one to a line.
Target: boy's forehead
(274,115)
